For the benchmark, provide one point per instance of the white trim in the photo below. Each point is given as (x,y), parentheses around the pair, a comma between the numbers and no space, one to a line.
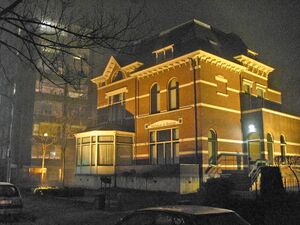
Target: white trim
(141,156)
(221,79)
(117,91)
(276,92)
(141,144)
(219,108)
(281,114)
(102,132)
(292,143)
(271,111)
(261,86)
(116,82)
(236,153)
(222,94)
(230,141)
(164,112)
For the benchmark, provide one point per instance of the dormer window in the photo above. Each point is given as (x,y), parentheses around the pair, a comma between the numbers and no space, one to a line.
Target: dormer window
(118,76)
(164,54)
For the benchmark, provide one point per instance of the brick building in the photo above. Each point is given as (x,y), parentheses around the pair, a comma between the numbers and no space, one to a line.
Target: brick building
(181,107)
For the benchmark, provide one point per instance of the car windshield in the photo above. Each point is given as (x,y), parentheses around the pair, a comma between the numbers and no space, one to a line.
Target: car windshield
(221,219)
(8,191)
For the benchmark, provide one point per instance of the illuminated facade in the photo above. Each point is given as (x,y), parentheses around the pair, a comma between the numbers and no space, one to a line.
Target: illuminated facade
(59,112)
(196,104)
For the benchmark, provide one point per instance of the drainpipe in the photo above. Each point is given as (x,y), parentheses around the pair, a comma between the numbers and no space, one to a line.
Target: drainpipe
(198,154)
(135,117)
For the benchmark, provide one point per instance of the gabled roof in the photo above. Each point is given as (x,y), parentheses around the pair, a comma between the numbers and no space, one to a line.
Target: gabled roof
(112,63)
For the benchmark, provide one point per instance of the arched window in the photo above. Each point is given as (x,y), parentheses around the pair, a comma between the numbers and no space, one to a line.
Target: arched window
(173,93)
(155,99)
(212,148)
(270,147)
(282,148)
(118,76)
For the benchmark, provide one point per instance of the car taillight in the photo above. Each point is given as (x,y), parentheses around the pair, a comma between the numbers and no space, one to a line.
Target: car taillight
(5,202)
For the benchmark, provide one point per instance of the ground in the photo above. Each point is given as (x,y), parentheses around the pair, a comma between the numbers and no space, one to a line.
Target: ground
(50,211)
(41,210)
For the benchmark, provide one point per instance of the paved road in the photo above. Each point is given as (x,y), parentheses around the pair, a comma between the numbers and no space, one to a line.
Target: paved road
(50,211)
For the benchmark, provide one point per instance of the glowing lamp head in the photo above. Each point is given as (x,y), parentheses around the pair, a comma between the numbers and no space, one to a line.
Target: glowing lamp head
(45,134)
(251,128)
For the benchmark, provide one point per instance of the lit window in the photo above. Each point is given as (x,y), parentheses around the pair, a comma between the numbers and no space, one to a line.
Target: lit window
(85,155)
(164,146)
(173,93)
(105,154)
(155,99)
(105,150)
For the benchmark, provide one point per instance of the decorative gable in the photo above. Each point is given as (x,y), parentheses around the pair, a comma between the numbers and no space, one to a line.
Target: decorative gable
(113,68)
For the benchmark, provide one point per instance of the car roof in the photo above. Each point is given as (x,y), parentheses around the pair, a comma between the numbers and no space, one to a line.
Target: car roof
(6,183)
(188,209)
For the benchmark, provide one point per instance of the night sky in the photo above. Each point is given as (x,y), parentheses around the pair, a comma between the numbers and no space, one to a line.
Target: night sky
(269,27)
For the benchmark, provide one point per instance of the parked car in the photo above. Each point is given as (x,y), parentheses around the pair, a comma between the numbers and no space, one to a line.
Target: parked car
(10,200)
(183,215)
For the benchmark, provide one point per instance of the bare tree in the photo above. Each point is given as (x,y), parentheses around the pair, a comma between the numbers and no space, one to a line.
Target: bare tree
(47,33)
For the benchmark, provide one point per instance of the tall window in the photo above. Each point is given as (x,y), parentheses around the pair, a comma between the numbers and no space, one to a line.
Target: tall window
(164,146)
(270,147)
(173,92)
(155,99)
(117,109)
(212,148)
(105,150)
(282,148)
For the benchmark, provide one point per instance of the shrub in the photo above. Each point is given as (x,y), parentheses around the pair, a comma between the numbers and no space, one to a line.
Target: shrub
(271,182)
(217,190)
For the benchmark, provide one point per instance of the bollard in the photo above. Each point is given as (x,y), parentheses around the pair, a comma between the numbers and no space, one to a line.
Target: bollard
(100,201)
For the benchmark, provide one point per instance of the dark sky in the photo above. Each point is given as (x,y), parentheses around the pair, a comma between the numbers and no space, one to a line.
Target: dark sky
(269,27)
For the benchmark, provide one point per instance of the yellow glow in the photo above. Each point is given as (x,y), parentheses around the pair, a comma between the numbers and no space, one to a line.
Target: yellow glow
(252,52)
(169,47)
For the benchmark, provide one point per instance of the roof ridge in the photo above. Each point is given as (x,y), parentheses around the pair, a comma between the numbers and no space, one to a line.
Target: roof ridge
(197,22)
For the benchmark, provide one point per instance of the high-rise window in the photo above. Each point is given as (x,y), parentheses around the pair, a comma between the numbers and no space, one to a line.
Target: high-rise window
(212,148)
(155,99)
(173,93)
